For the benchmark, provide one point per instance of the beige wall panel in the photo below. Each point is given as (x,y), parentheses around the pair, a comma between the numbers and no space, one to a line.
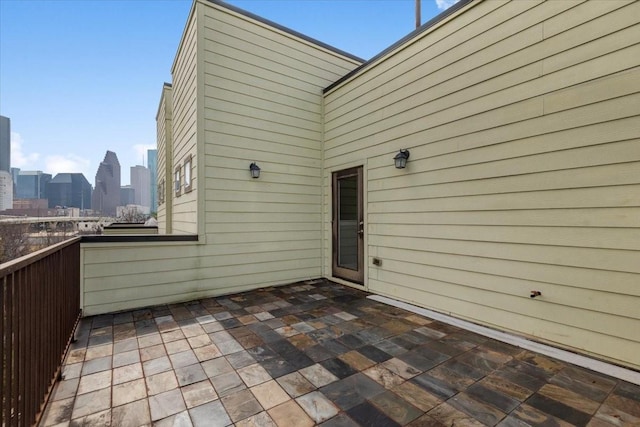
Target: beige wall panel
(306,137)
(435,43)
(262,103)
(213,250)
(580,287)
(576,338)
(584,157)
(276,116)
(276,188)
(588,237)
(615,260)
(286,157)
(261,197)
(593,176)
(621,196)
(256,140)
(598,217)
(229,95)
(225,27)
(502,294)
(246,227)
(524,171)
(274,60)
(245,217)
(452,109)
(443,154)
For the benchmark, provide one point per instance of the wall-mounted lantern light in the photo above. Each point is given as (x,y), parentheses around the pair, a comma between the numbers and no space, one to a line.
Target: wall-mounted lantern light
(401,159)
(255,170)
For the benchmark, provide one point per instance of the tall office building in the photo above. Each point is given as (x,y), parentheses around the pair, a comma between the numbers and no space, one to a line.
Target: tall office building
(140,181)
(127,195)
(106,195)
(6,181)
(70,190)
(5,144)
(31,185)
(152,163)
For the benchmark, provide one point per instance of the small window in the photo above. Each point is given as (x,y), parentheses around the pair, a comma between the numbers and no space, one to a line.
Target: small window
(187,175)
(161,192)
(177,181)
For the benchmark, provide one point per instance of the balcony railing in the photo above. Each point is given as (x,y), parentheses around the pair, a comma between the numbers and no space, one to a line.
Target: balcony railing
(39,308)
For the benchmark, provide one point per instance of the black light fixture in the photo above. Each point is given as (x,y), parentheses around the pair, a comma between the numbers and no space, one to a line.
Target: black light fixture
(401,159)
(255,170)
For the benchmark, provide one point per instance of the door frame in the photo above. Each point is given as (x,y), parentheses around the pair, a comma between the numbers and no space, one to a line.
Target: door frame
(354,277)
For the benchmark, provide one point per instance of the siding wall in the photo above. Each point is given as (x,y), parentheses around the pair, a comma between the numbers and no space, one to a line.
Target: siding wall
(165,149)
(121,276)
(523,122)
(184,75)
(262,100)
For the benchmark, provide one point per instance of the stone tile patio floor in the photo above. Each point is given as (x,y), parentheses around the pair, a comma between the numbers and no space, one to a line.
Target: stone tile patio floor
(317,354)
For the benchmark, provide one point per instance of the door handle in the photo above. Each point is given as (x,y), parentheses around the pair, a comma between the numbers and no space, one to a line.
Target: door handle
(361,228)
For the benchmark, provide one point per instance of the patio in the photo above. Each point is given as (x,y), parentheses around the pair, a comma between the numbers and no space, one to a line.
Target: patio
(316,353)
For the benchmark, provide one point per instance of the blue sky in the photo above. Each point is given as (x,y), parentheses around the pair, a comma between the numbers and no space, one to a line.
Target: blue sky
(79,77)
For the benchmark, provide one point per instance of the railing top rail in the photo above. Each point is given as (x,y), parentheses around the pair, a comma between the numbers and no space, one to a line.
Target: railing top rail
(18,263)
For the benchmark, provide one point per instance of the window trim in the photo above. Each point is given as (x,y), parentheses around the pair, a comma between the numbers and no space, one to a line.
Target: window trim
(177,180)
(188,174)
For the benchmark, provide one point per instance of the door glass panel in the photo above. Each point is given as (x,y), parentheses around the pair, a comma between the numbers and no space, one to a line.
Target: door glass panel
(348,222)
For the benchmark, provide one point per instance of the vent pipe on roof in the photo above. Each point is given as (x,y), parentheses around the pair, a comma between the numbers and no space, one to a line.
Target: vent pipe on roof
(418,19)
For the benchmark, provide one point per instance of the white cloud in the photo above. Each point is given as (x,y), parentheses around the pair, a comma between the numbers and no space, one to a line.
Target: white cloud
(70,163)
(445,4)
(19,159)
(141,152)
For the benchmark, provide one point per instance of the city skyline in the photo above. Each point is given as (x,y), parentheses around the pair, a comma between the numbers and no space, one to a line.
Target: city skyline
(101,91)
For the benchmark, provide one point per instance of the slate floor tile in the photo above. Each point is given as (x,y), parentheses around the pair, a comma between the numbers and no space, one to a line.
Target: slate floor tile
(417,396)
(317,406)
(558,409)
(253,375)
(395,407)
(93,382)
(277,367)
(317,353)
(434,386)
(295,384)
(383,376)
(261,419)
(356,360)
(190,374)
(374,353)
(227,383)
(352,391)
(318,375)
(210,414)
(198,393)
(340,420)
(338,368)
(91,403)
(132,414)
(290,414)
(450,416)
(486,414)
(128,392)
(241,405)
(367,415)
(269,394)
(161,382)
(165,404)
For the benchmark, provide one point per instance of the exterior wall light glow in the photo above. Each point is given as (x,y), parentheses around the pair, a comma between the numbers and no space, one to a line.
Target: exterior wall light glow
(401,159)
(255,170)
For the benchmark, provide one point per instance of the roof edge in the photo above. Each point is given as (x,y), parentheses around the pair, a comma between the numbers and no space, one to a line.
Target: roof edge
(415,33)
(285,29)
